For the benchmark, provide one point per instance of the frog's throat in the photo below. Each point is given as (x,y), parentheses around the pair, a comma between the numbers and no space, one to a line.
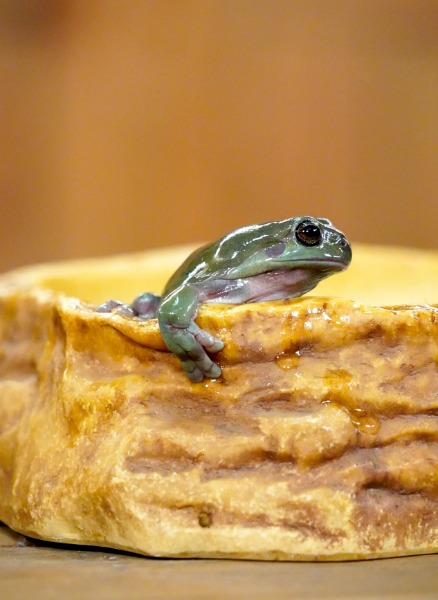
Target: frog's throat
(272,285)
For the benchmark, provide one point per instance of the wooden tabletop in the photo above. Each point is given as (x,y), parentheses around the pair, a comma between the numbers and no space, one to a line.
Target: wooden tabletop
(37,570)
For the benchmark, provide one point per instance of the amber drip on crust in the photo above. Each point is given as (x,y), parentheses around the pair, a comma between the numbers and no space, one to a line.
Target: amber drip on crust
(339,384)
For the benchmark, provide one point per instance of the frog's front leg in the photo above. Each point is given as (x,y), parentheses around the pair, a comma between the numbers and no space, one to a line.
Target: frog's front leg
(190,343)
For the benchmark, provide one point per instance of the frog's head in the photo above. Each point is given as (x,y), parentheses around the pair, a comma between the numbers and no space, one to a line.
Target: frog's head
(304,243)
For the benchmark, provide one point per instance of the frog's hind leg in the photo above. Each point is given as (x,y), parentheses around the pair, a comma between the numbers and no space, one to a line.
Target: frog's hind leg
(146,305)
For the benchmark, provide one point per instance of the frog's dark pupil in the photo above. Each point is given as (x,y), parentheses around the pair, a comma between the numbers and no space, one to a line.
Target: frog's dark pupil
(308,234)
(275,250)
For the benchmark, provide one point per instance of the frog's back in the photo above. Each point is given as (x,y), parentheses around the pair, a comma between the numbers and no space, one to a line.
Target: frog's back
(214,259)
(192,266)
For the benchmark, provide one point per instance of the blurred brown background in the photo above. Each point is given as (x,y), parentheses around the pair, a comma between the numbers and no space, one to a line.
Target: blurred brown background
(130,124)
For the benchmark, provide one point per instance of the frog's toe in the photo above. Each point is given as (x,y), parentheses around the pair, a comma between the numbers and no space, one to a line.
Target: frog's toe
(210,343)
(213,372)
(193,372)
(196,370)
(208,367)
(205,339)
(125,310)
(116,307)
(109,306)
(215,346)
(190,346)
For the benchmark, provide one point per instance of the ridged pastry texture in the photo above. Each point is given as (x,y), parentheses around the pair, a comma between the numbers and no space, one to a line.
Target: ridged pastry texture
(319,442)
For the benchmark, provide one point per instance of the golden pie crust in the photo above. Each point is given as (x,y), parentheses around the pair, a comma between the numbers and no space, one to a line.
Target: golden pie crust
(319,442)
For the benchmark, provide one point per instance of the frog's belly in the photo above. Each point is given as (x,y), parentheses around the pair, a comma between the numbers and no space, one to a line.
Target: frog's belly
(274,285)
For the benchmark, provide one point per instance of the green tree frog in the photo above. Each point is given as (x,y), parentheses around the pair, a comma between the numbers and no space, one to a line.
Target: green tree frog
(271,261)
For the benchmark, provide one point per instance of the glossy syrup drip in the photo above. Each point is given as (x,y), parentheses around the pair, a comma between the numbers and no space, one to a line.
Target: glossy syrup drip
(338,381)
(288,362)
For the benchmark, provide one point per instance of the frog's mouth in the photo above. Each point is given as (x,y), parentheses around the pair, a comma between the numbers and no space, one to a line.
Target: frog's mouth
(332,264)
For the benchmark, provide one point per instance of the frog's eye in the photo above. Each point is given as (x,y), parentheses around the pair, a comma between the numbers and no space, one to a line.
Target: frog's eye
(275,250)
(308,234)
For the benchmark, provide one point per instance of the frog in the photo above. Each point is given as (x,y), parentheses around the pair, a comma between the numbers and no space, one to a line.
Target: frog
(265,262)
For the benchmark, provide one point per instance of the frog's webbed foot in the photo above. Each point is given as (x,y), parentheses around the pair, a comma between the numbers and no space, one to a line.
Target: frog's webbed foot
(191,345)
(144,306)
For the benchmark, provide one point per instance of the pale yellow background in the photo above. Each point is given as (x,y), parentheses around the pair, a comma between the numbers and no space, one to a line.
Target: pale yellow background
(134,124)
